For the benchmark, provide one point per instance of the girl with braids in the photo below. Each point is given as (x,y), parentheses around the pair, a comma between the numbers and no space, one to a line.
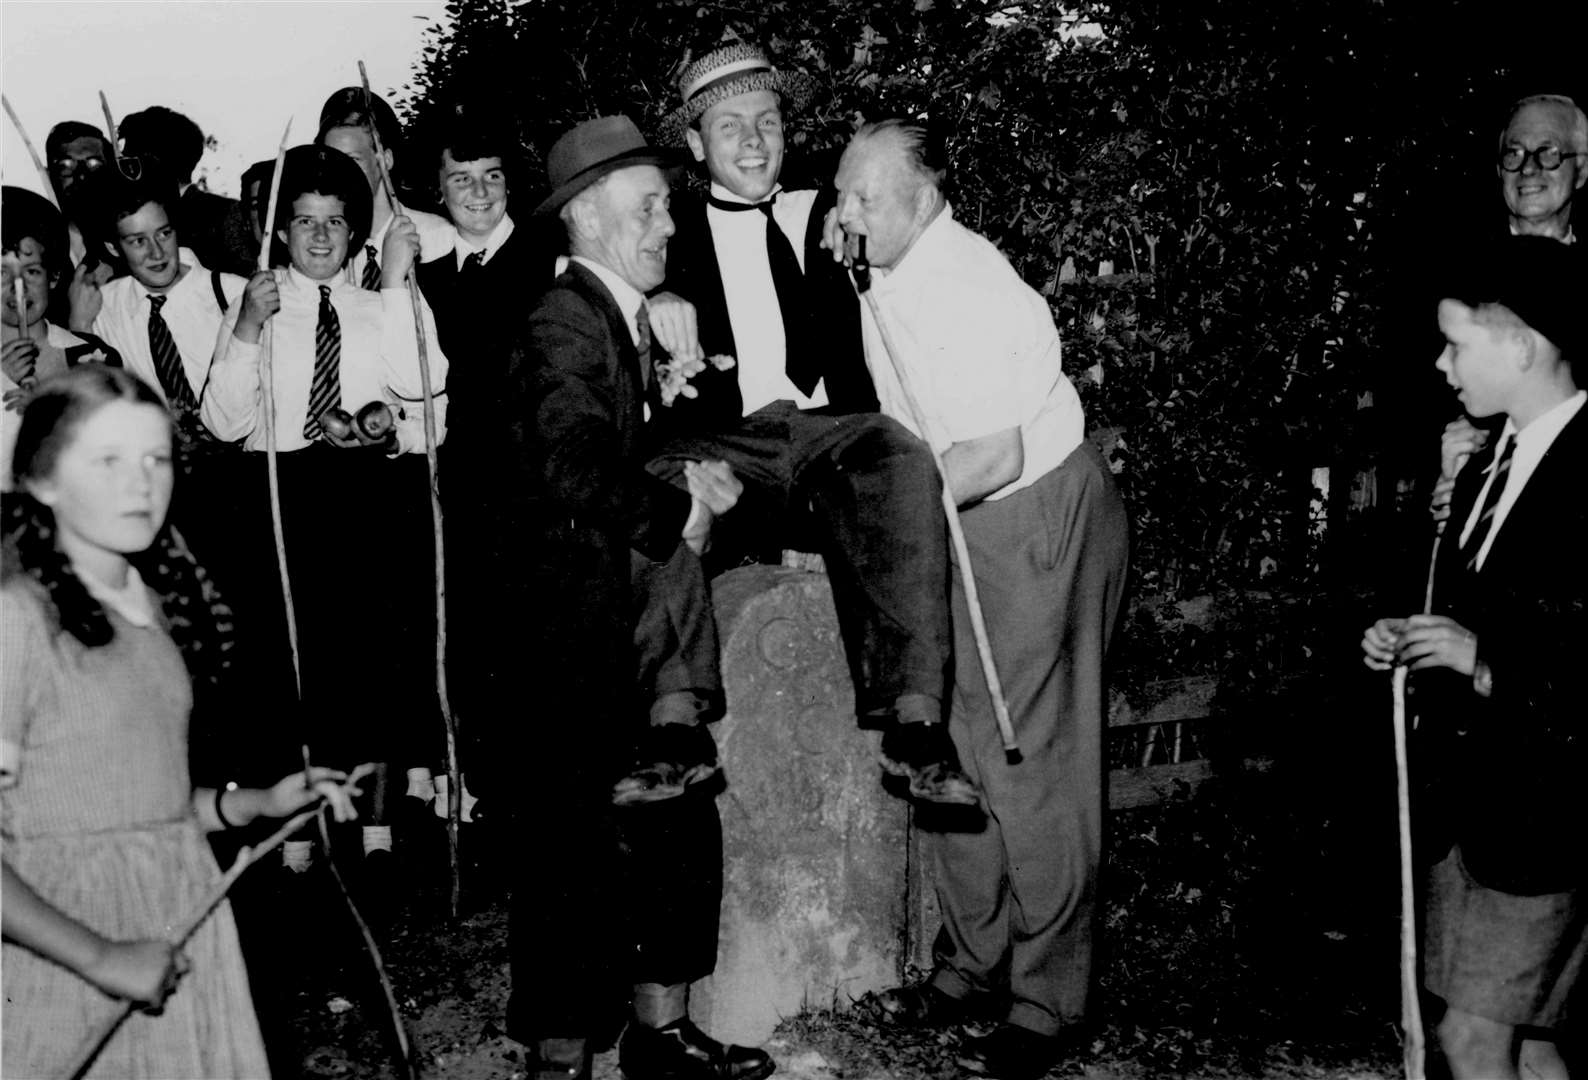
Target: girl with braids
(107,629)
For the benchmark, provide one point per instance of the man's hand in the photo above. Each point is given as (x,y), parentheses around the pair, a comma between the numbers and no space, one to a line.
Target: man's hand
(261,300)
(1379,643)
(84,297)
(676,328)
(399,252)
(1461,439)
(835,240)
(1419,642)
(715,491)
(19,358)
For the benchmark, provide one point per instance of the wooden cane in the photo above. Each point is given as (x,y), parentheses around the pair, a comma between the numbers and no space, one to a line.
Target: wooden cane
(443,697)
(38,162)
(978,623)
(110,127)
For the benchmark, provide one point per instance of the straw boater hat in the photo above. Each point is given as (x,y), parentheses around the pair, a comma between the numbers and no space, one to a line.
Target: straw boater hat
(591,150)
(722,73)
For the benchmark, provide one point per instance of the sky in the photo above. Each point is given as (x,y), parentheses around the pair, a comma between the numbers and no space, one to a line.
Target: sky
(237,68)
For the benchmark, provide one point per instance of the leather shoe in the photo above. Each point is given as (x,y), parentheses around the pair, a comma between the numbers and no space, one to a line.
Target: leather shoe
(920,1005)
(562,1059)
(1011,1052)
(924,755)
(681,1051)
(673,759)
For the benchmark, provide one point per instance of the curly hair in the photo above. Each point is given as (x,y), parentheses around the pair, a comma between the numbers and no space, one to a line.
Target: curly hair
(197,618)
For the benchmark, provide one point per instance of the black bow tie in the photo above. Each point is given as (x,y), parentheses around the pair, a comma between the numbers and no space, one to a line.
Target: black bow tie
(739,207)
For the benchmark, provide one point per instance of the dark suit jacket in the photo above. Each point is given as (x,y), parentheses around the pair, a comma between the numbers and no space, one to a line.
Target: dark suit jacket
(1511,766)
(693,273)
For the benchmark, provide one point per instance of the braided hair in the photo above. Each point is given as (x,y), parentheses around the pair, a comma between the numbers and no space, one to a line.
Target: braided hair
(197,618)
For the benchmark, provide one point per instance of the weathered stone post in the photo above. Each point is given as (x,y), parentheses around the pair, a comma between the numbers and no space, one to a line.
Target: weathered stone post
(814,851)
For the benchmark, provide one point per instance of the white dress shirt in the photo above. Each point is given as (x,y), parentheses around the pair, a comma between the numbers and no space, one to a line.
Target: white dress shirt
(493,243)
(437,236)
(191,312)
(739,237)
(980,349)
(1532,442)
(380,362)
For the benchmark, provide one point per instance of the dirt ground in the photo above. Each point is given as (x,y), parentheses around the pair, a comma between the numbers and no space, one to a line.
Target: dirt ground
(1241,943)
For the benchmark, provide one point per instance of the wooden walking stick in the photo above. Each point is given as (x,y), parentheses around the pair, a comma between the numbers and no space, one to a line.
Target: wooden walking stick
(110,126)
(38,162)
(956,532)
(443,698)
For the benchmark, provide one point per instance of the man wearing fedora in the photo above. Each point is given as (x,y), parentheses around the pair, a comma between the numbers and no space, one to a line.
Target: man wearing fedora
(622,883)
(796,415)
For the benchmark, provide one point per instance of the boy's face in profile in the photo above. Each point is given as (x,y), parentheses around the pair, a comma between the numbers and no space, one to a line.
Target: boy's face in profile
(26,265)
(1479,361)
(316,235)
(148,243)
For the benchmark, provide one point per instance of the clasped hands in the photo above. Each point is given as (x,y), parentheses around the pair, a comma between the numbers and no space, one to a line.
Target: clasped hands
(675,327)
(1420,641)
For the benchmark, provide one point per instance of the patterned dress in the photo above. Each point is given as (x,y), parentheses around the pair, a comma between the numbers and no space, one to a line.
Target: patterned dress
(96,815)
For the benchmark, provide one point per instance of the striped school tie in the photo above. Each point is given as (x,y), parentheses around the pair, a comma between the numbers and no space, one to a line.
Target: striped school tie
(167,359)
(371,277)
(1491,502)
(325,392)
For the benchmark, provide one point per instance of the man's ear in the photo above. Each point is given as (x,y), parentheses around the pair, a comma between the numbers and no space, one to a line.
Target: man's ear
(925,200)
(42,490)
(391,162)
(697,145)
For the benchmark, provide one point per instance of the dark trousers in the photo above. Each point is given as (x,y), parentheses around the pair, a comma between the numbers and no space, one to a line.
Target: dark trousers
(609,897)
(1019,897)
(865,493)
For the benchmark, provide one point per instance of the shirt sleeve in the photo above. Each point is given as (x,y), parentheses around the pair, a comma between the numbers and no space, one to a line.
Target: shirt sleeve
(230,404)
(21,636)
(400,366)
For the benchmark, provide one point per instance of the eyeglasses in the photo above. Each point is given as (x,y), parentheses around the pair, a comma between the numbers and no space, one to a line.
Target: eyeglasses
(1514,158)
(130,167)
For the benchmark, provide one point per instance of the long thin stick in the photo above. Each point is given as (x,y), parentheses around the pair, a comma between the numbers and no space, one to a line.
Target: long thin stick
(246,857)
(26,379)
(956,531)
(268,408)
(110,125)
(38,162)
(443,698)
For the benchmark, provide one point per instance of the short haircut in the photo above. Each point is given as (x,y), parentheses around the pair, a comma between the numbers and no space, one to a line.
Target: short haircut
(165,134)
(1579,124)
(348,107)
(259,173)
(923,146)
(68,131)
(1532,281)
(319,170)
(26,215)
(123,198)
(474,137)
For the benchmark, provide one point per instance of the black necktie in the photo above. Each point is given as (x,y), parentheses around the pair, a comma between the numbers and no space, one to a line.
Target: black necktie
(800,360)
(167,359)
(642,342)
(371,278)
(325,392)
(474,263)
(1491,502)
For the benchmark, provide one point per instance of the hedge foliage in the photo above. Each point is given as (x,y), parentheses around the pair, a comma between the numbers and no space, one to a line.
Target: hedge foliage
(1212,195)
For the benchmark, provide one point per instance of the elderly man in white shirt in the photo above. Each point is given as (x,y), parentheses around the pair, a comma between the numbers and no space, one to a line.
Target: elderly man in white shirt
(1048,541)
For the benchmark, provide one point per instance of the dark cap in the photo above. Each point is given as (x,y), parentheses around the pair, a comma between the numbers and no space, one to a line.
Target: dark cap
(1542,281)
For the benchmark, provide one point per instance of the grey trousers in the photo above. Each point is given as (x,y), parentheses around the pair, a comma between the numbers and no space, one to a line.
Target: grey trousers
(1019,896)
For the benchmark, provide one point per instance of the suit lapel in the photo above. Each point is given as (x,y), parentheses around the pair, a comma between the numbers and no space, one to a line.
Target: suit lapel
(1545,498)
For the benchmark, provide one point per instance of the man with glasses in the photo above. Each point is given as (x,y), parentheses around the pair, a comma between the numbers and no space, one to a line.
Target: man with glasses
(1541,165)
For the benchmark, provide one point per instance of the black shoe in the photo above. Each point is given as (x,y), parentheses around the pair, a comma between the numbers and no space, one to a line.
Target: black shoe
(1012,1052)
(673,759)
(924,755)
(920,1005)
(562,1059)
(681,1051)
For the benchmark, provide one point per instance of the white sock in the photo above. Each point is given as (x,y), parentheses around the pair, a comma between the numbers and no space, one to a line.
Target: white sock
(296,855)
(377,838)
(420,784)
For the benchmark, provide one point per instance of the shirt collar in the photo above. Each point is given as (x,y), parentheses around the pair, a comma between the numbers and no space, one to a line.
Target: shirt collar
(189,263)
(919,257)
(1542,431)
(722,193)
(336,281)
(131,601)
(493,243)
(627,296)
(1569,238)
